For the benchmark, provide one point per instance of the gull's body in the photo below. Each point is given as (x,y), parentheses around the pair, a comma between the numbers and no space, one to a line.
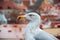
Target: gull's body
(33,32)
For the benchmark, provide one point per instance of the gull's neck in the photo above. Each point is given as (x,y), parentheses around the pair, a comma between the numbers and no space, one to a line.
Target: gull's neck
(35,22)
(33,26)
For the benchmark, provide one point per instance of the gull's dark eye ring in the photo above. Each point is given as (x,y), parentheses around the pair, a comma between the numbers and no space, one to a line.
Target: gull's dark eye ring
(31,15)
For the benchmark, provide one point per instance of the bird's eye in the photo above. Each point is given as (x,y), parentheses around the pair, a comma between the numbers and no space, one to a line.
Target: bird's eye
(31,15)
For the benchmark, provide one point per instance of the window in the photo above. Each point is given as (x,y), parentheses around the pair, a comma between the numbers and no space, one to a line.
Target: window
(9,8)
(1,8)
(1,0)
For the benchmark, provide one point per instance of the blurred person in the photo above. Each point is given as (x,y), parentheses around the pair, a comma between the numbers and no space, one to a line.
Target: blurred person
(12,16)
(46,23)
(3,19)
(53,11)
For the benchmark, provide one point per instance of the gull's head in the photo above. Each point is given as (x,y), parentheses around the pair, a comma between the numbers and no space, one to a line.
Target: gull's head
(31,16)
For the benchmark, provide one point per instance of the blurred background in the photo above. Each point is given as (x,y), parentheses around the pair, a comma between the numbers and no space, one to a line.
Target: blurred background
(49,11)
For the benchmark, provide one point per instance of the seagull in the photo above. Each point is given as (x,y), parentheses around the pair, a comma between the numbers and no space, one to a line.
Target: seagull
(32,30)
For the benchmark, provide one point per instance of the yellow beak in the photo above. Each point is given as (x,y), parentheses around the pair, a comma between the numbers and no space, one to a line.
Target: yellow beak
(21,17)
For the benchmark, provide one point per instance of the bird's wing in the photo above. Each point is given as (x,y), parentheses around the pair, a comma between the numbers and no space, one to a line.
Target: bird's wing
(42,35)
(29,36)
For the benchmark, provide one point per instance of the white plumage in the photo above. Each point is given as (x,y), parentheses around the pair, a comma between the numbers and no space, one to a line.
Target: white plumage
(33,32)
